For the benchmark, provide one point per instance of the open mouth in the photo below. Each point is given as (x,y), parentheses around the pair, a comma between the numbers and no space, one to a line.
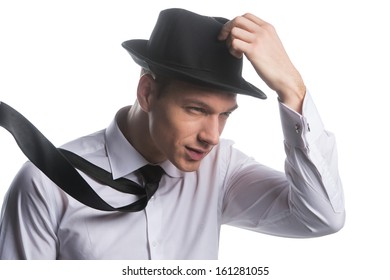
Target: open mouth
(196,154)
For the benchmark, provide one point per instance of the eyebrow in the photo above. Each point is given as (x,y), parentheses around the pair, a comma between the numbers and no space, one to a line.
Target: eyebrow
(233,108)
(206,106)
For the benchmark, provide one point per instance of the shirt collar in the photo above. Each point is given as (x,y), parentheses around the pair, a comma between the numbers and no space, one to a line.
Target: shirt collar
(123,157)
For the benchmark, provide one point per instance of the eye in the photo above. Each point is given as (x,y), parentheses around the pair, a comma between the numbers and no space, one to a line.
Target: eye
(226,114)
(196,110)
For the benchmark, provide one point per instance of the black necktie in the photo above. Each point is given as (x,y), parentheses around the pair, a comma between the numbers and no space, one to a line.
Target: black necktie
(59,165)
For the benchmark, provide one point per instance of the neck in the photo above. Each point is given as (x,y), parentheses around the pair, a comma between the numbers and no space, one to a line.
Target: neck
(135,127)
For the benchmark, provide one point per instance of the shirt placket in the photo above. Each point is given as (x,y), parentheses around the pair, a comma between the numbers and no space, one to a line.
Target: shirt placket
(154,226)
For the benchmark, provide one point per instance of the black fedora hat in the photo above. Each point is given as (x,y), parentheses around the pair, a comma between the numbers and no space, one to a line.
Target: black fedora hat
(185,46)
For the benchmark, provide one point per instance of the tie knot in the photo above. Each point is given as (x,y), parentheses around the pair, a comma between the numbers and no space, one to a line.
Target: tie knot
(151,173)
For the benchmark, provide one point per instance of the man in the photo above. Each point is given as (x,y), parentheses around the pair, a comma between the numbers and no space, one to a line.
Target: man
(191,74)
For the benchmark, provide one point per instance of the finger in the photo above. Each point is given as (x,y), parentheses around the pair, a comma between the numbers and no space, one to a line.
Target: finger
(232,50)
(225,31)
(236,53)
(238,47)
(246,22)
(258,21)
(242,34)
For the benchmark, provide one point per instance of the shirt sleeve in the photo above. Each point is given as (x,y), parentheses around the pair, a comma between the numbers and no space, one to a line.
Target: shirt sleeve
(304,201)
(27,223)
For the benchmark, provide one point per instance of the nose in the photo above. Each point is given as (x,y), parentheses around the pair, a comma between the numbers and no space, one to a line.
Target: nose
(210,131)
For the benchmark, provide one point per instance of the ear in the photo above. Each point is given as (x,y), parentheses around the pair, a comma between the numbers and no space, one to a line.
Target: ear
(145,91)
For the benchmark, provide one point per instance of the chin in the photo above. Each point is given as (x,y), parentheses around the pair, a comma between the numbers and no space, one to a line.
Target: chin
(188,166)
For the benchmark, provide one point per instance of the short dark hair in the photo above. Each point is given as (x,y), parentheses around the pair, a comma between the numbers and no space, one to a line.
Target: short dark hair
(162,81)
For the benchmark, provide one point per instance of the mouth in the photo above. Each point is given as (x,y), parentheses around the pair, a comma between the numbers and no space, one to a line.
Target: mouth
(196,154)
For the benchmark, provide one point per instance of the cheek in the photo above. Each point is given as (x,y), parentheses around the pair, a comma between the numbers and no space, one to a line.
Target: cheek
(172,131)
(160,130)
(163,129)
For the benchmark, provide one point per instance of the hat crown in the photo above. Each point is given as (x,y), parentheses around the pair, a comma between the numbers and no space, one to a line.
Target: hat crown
(188,40)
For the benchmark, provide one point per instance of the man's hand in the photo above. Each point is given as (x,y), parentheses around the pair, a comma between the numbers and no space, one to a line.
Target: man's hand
(260,43)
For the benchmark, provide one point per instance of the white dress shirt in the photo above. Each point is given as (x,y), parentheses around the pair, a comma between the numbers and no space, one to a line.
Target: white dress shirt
(183,219)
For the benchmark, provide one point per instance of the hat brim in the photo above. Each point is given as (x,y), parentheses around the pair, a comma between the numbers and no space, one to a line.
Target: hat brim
(137,50)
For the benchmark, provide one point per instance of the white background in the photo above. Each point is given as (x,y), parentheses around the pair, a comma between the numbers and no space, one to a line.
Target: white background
(63,67)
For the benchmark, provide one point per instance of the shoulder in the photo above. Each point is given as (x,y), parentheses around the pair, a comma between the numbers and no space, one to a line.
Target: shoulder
(220,153)
(29,178)
(226,152)
(226,157)
(31,190)
(225,145)
(87,144)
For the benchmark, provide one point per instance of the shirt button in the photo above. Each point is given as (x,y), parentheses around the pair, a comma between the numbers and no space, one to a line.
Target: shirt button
(154,244)
(297,128)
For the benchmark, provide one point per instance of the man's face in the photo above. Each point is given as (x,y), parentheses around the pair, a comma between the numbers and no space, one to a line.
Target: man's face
(186,121)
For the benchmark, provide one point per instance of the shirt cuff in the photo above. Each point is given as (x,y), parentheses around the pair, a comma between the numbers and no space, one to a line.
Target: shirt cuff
(301,130)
